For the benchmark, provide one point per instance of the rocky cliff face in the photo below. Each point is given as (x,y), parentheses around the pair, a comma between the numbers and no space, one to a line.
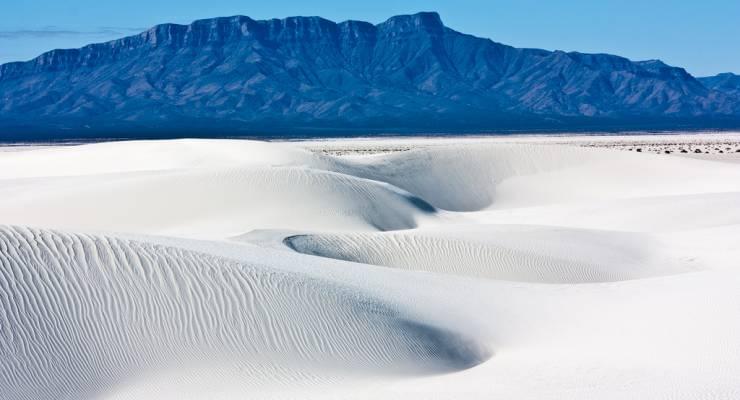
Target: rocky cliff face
(238,75)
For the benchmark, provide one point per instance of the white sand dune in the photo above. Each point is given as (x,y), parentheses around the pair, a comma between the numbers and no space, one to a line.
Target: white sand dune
(471,178)
(509,252)
(132,156)
(238,269)
(211,203)
(252,186)
(84,312)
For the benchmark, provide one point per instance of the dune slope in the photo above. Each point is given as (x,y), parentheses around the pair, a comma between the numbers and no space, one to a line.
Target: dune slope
(86,313)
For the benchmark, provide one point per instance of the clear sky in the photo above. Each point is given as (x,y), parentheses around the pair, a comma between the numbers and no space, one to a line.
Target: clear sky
(701,36)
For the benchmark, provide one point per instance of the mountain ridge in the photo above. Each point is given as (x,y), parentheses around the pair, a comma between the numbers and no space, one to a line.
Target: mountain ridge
(236,75)
(726,82)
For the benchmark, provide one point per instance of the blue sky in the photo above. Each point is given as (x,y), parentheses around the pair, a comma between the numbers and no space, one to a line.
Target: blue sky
(701,36)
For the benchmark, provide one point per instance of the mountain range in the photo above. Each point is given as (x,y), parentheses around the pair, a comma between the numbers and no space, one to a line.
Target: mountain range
(300,76)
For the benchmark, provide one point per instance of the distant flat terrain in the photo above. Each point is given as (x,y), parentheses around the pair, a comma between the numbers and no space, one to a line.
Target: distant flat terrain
(711,146)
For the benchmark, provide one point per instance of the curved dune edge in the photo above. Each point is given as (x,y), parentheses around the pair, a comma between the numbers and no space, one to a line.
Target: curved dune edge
(504,252)
(213,202)
(477,177)
(92,313)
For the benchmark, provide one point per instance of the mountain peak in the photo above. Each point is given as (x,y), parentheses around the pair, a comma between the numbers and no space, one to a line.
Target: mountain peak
(725,82)
(426,21)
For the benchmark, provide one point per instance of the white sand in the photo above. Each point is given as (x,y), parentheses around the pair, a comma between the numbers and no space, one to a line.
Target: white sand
(514,268)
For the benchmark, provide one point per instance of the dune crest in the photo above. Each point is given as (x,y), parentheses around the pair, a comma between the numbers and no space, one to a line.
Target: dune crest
(507,252)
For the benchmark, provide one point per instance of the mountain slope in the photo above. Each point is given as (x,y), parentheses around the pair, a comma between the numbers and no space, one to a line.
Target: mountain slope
(237,75)
(727,83)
